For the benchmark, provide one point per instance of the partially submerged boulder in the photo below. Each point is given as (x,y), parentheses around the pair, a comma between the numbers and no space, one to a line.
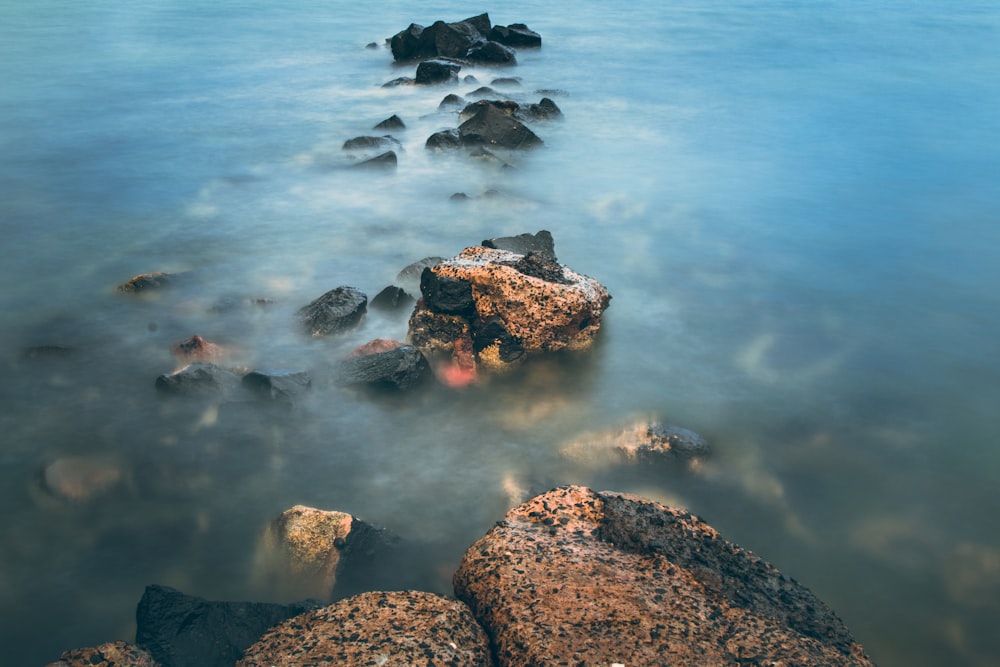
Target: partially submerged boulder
(384,363)
(337,310)
(392,629)
(643,441)
(277,385)
(437,70)
(182,630)
(491,126)
(576,576)
(392,298)
(198,379)
(503,305)
(146,281)
(197,348)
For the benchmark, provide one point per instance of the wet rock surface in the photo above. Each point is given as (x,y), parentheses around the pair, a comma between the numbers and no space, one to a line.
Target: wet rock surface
(110,654)
(396,629)
(198,379)
(396,366)
(337,310)
(581,577)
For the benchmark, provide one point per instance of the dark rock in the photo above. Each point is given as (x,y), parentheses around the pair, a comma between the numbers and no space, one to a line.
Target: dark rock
(393,122)
(492,53)
(522,244)
(385,160)
(481,23)
(492,332)
(371,46)
(445,294)
(277,385)
(399,81)
(198,379)
(443,140)
(509,107)
(111,654)
(437,71)
(392,298)
(408,44)
(469,79)
(581,577)
(484,91)
(372,143)
(410,275)
(541,265)
(337,310)
(494,128)
(517,35)
(452,40)
(451,102)
(508,81)
(484,155)
(410,628)
(460,196)
(400,368)
(146,281)
(185,631)
(546,109)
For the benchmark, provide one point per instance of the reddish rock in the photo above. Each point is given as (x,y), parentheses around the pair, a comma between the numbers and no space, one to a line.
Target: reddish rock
(375,346)
(394,629)
(111,654)
(197,348)
(579,577)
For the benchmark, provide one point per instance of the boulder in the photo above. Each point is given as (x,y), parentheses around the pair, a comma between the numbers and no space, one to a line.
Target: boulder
(492,53)
(437,70)
(383,363)
(277,385)
(337,310)
(575,576)
(452,40)
(517,35)
(369,143)
(506,305)
(181,630)
(491,126)
(110,654)
(443,140)
(450,102)
(385,160)
(545,109)
(392,298)
(314,553)
(522,244)
(198,379)
(393,122)
(409,276)
(392,629)
(197,348)
(146,281)
(644,441)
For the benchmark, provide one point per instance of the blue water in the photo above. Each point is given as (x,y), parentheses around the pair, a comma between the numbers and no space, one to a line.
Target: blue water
(794,205)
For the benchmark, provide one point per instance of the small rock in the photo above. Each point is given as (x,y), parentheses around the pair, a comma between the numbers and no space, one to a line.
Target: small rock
(198,379)
(451,102)
(392,298)
(146,281)
(522,244)
(393,122)
(491,126)
(437,71)
(277,385)
(384,363)
(197,348)
(385,160)
(443,140)
(337,310)
(516,35)
(366,143)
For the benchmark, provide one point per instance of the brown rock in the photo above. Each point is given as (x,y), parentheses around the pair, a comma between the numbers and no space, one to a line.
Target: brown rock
(375,346)
(197,348)
(111,654)
(579,577)
(396,629)
(145,281)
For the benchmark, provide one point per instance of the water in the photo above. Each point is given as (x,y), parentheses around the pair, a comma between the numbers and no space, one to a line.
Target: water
(794,206)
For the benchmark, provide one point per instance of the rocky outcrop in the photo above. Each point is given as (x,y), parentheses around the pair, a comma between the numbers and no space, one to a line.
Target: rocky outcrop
(475,39)
(337,310)
(181,630)
(502,305)
(304,551)
(111,654)
(392,629)
(579,577)
(384,363)
(641,442)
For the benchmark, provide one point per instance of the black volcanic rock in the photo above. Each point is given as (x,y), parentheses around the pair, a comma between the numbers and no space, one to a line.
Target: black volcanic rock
(437,70)
(337,310)
(492,127)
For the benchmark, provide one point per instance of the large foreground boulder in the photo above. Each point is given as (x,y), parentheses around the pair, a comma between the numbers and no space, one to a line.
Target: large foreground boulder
(186,631)
(576,576)
(503,306)
(391,629)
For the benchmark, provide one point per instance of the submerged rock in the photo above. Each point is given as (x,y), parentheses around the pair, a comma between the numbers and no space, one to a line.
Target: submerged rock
(393,122)
(367,143)
(581,577)
(337,310)
(110,654)
(493,127)
(392,298)
(643,441)
(80,478)
(146,281)
(387,160)
(277,385)
(437,70)
(385,363)
(398,629)
(186,631)
(198,379)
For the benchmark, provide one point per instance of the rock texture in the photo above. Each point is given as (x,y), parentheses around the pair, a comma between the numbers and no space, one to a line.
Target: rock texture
(337,310)
(579,577)
(198,379)
(111,654)
(181,630)
(395,629)
(502,305)
(642,441)
(277,385)
(384,363)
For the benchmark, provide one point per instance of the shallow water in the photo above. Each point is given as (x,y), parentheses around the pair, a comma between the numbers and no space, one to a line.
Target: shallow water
(793,205)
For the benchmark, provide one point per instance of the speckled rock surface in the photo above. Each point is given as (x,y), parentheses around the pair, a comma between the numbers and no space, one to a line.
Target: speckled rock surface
(575,576)
(391,629)
(111,654)
(508,304)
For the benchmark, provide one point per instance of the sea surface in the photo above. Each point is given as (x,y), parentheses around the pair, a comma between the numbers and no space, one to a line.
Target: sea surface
(795,206)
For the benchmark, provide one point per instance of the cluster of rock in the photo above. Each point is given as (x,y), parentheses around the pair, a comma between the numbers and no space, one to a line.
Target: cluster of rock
(572,576)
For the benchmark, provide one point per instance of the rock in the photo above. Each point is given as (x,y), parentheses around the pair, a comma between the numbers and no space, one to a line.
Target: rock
(545,109)
(385,160)
(507,81)
(277,385)
(492,53)
(522,244)
(579,577)
(443,140)
(451,102)
(305,551)
(452,40)
(197,348)
(517,35)
(490,126)
(392,629)
(368,143)
(643,441)
(146,281)
(408,45)
(399,81)
(409,276)
(393,122)
(110,654)
(536,303)
(392,298)
(484,91)
(437,71)
(198,379)
(509,107)
(378,363)
(185,631)
(337,310)
(80,478)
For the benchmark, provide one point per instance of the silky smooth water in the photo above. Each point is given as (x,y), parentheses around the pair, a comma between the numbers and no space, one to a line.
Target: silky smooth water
(793,204)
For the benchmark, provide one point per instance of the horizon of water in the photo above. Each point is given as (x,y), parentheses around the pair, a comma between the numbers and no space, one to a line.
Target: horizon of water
(793,205)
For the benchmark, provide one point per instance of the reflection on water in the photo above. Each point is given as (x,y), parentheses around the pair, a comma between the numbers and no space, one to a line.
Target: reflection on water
(793,208)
